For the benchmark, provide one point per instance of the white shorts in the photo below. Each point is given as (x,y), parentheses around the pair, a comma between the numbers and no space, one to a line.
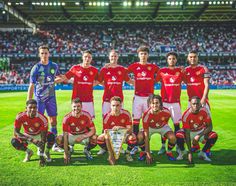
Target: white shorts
(207,106)
(139,106)
(193,134)
(175,111)
(89,107)
(36,137)
(72,138)
(106,107)
(162,131)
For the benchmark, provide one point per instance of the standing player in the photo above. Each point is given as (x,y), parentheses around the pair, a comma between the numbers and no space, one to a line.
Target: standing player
(42,78)
(35,131)
(85,77)
(171,78)
(155,120)
(78,128)
(197,80)
(115,119)
(197,127)
(144,77)
(112,76)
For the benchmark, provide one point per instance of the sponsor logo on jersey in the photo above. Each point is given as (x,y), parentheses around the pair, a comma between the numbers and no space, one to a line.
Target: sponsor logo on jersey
(52,71)
(172,80)
(113,78)
(41,69)
(138,68)
(192,79)
(144,73)
(36,124)
(85,78)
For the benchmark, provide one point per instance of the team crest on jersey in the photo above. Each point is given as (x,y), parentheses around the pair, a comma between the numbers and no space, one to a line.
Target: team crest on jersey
(119,72)
(149,68)
(163,118)
(172,80)
(152,121)
(113,78)
(91,72)
(36,125)
(144,73)
(195,125)
(192,79)
(177,73)
(85,78)
(52,71)
(25,123)
(82,122)
(191,121)
(200,117)
(112,123)
(198,73)
(122,121)
(72,124)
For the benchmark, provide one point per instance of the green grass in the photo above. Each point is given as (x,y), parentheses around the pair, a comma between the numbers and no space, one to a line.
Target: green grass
(222,170)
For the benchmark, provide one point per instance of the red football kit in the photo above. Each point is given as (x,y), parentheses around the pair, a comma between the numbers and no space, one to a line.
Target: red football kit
(83,82)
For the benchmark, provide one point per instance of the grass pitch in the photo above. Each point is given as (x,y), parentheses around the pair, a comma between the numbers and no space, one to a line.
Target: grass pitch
(221,171)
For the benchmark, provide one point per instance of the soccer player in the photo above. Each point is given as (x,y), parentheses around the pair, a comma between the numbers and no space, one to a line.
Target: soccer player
(85,77)
(78,128)
(144,77)
(171,78)
(42,78)
(35,131)
(197,127)
(197,80)
(155,120)
(112,76)
(115,119)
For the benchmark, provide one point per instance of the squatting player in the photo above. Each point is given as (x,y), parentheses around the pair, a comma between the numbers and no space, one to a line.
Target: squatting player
(171,78)
(155,120)
(116,119)
(78,128)
(42,78)
(197,127)
(35,131)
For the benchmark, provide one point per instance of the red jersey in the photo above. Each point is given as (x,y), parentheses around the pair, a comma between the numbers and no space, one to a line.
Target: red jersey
(194,78)
(195,122)
(32,126)
(171,80)
(156,121)
(83,82)
(113,79)
(123,120)
(144,76)
(80,125)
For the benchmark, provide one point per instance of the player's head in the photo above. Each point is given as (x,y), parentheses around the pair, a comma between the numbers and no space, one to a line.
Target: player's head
(195,104)
(76,105)
(143,53)
(155,102)
(113,57)
(192,58)
(116,104)
(87,57)
(44,53)
(171,58)
(31,108)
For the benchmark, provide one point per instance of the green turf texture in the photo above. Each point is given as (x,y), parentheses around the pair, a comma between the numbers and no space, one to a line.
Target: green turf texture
(221,171)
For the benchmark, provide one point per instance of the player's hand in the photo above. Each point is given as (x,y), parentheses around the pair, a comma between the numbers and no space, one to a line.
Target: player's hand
(66,159)
(190,158)
(80,138)
(196,139)
(203,102)
(149,158)
(42,161)
(107,65)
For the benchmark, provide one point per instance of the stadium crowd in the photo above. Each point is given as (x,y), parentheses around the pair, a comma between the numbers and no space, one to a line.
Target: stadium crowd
(74,39)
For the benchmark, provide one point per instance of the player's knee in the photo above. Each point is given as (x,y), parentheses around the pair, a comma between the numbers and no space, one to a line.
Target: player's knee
(131,140)
(212,135)
(140,137)
(17,144)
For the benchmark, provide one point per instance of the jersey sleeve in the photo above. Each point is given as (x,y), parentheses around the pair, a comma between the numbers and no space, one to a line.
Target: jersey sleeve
(96,77)
(185,122)
(101,75)
(44,123)
(145,121)
(18,122)
(65,124)
(158,77)
(207,118)
(126,75)
(69,74)
(206,73)
(33,74)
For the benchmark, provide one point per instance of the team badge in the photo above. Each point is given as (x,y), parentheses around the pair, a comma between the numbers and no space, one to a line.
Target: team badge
(82,122)
(149,68)
(177,73)
(192,79)
(198,73)
(119,72)
(122,121)
(49,79)
(152,121)
(163,118)
(138,68)
(52,71)
(200,117)
(191,121)
(36,125)
(172,80)
(91,73)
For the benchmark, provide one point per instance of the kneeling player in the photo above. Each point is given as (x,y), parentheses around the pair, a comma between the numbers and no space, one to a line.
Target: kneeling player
(78,128)
(197,127)
(155,120)
(116,119)
(35,131)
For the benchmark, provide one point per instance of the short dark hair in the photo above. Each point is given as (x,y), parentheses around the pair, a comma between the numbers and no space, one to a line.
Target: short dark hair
(152,97)
(31,101)
(116,98)
(43,47)
(172,53)
(195,97)
(76,100)
(143,49)
(193,52)
(87,51)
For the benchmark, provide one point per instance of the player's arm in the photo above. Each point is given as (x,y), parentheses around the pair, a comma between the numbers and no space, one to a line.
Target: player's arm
(206,80)
(147,146)
(131,82)
(66,150)
(91,132)
(60,79)
(204,132)
(30,91)
(21,136)
(96,82)
(41,145)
